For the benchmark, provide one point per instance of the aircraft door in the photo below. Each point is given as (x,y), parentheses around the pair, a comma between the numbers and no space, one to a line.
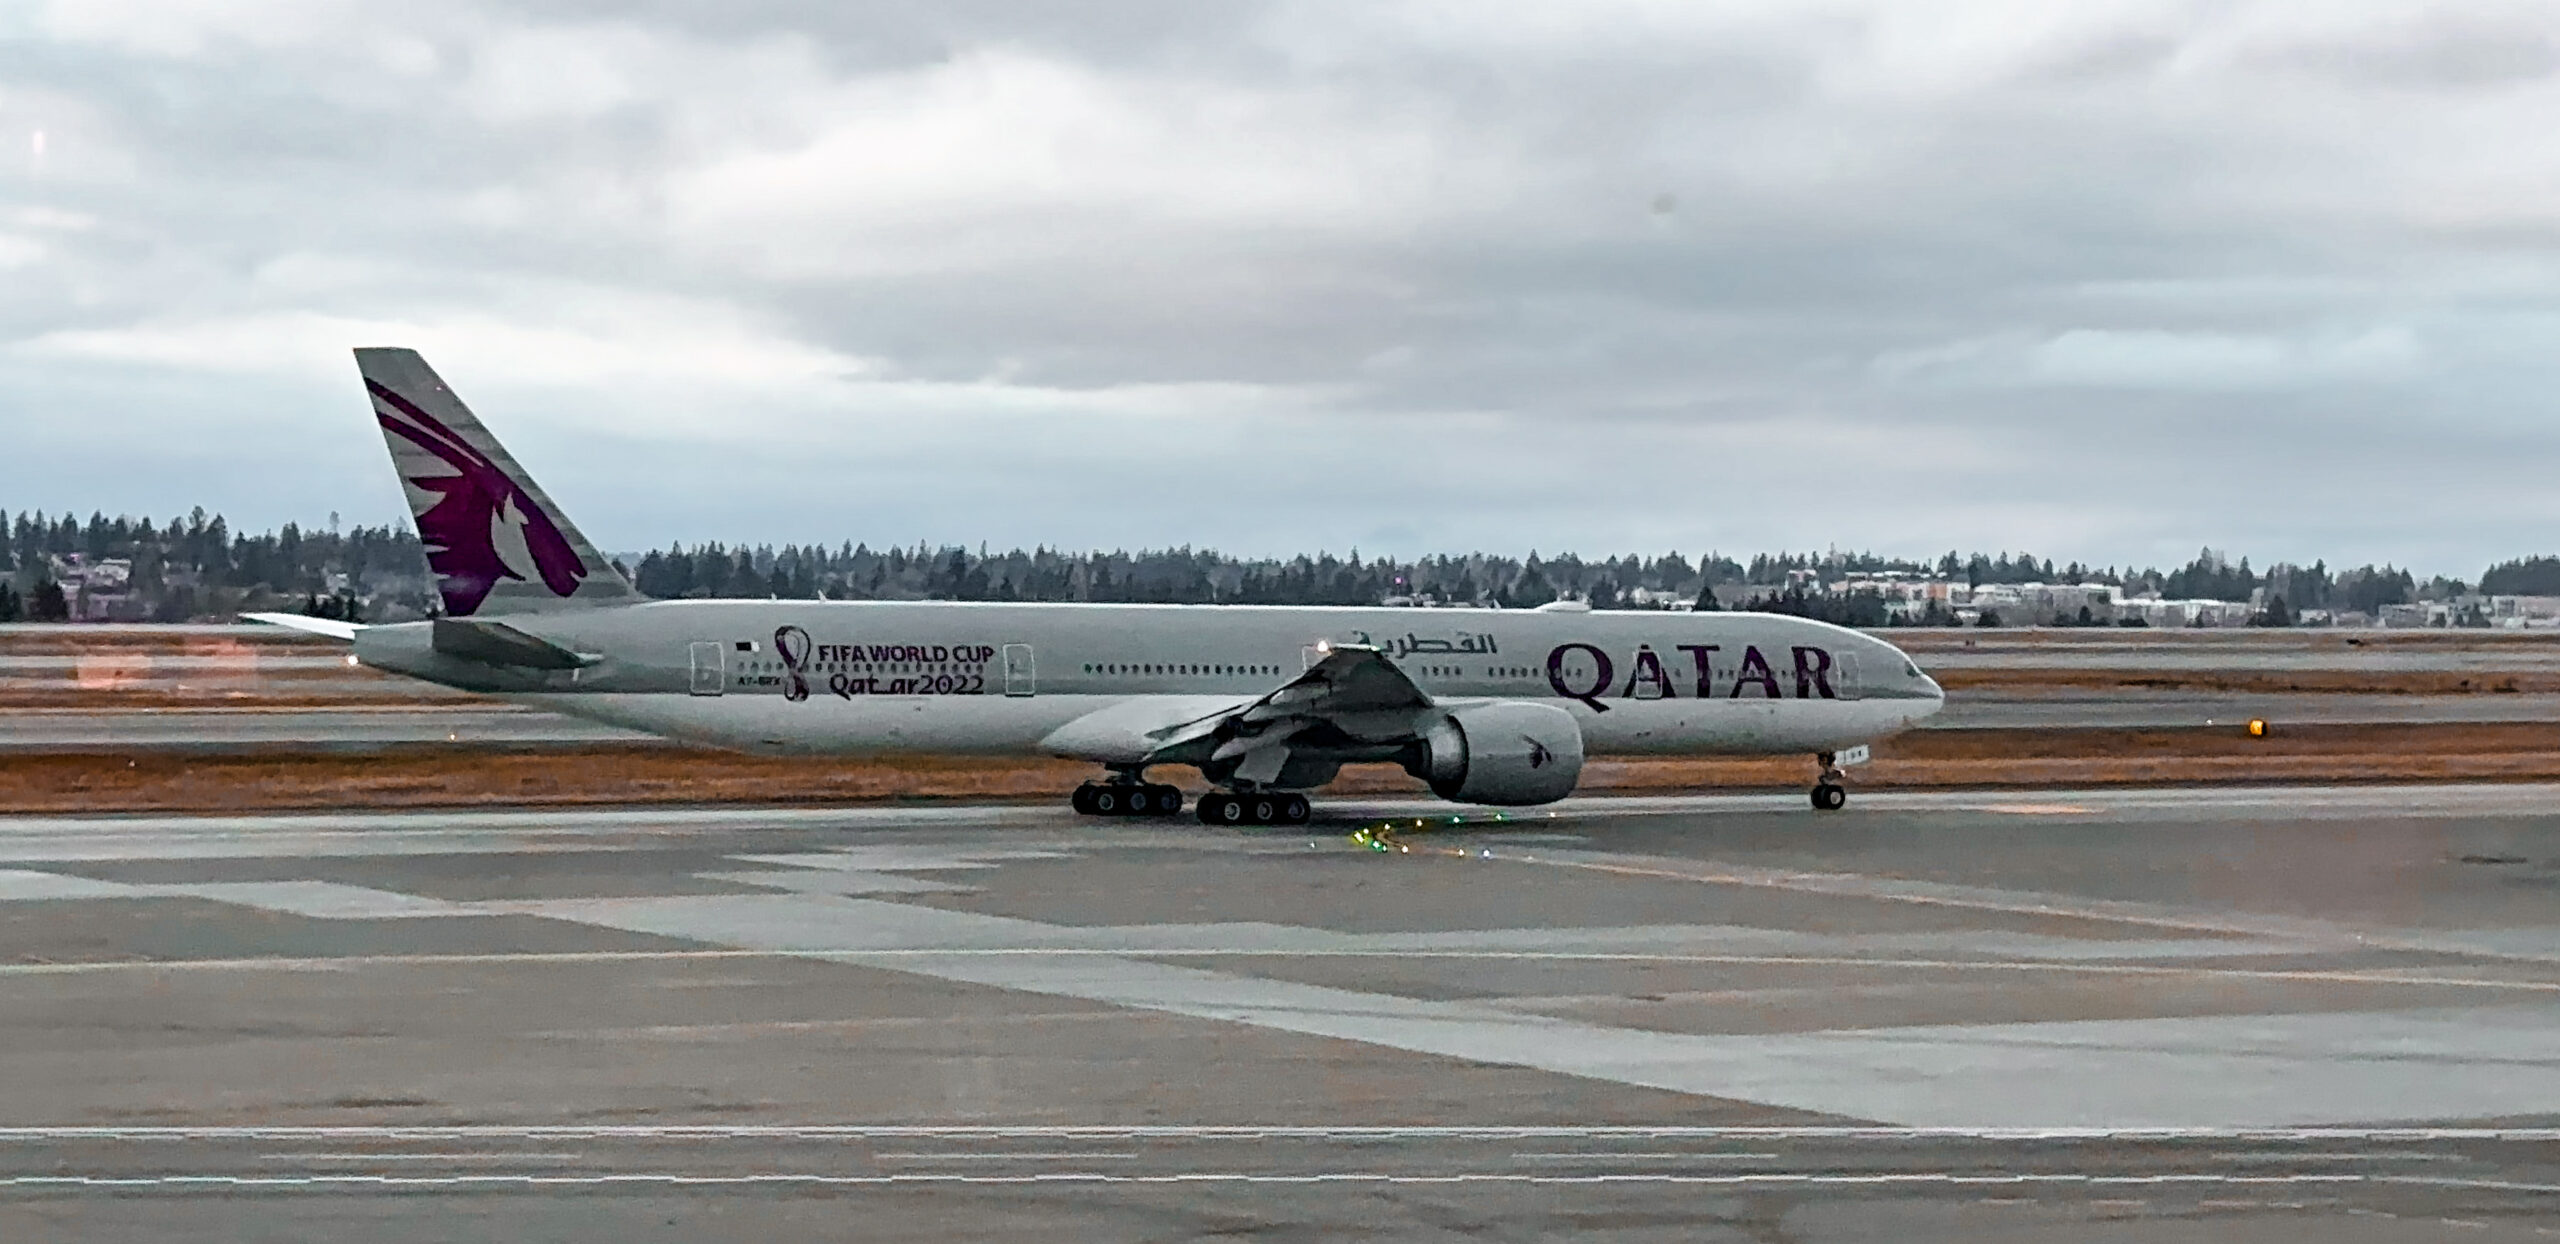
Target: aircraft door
(1844,676)
(709,676)
(1019,677)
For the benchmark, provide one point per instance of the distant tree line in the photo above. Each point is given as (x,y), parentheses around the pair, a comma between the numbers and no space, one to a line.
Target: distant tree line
(2530,576)
(195,566)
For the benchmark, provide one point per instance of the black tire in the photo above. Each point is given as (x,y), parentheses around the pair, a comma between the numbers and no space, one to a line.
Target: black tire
(1208,808)
(1829,798)
(1168,801)
(1106,801)
(1231,810)
(1082,800)
(1295,810)
(1265,810)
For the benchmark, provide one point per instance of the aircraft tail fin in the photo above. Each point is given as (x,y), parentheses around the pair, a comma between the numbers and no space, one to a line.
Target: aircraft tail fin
(494,541)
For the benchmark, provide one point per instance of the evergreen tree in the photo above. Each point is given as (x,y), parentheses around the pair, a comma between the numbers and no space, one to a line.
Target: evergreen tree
(47,603)
(2530,576)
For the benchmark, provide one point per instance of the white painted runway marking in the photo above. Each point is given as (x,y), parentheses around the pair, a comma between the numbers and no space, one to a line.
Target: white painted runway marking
(502,1156)
(1063,1155)
(1664,1155)
(1772,1180)
(1426,1133)
(2334,1157)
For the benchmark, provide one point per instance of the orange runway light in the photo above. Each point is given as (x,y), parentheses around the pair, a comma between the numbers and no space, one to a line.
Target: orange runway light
(2257,728)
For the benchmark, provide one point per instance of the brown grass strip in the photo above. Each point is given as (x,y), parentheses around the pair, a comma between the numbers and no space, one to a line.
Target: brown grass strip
(465,776)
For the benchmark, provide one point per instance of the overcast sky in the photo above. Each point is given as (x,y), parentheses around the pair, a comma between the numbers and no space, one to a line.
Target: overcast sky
(2101,280)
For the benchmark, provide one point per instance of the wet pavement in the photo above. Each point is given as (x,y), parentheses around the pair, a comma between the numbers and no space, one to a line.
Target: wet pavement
(2139,1015)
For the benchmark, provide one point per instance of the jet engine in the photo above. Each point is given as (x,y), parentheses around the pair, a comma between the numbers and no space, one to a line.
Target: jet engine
(1501,753)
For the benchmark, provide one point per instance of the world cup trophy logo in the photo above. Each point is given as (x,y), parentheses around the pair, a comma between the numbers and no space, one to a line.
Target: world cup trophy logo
(792,645)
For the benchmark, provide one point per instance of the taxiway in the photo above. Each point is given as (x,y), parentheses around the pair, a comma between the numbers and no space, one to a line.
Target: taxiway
(2167,1015)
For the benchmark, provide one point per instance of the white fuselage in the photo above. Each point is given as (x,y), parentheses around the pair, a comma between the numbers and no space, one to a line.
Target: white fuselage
(856,678)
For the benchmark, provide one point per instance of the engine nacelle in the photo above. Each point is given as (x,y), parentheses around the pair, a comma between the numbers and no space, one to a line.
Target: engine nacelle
(1506,753)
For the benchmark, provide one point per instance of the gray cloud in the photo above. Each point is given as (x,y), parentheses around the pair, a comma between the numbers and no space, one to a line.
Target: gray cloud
(2108,281)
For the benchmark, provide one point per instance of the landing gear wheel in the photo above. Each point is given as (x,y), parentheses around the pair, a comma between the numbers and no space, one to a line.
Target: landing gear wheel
(1223,808)
(1126,799)
(1830,798)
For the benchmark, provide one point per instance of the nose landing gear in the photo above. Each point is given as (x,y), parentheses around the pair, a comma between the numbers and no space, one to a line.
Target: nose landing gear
(1828,794)
(1224,808)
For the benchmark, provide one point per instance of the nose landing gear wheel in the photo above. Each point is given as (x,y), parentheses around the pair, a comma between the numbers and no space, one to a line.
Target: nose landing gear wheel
(1828,794)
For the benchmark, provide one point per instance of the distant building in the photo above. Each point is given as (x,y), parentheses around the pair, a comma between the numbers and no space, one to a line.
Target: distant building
(99,591)
(2411,615)
(2517,612)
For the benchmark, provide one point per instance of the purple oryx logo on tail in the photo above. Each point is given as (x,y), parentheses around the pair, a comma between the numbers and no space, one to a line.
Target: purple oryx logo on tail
(461,527)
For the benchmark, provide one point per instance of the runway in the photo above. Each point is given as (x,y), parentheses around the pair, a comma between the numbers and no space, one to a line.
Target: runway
(2160,1014)
(367,728)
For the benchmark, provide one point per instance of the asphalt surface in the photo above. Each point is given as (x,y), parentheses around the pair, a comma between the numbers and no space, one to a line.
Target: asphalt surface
(2122,1015)
(484,723)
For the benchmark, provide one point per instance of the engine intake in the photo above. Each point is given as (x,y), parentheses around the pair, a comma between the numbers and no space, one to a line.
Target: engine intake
(1507,753)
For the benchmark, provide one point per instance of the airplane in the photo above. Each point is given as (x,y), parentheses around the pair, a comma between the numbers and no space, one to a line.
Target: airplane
(1490,707)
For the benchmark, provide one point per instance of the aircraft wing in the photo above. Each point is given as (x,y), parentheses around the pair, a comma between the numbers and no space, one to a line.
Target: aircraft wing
(1352,679)
(330,627)
(1354,697)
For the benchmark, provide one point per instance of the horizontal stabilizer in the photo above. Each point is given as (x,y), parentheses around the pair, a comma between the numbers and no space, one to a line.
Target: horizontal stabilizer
(495,643)
(330,627)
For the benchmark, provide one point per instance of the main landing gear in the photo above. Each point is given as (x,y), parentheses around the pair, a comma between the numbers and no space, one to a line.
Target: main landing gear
(1828,794)
(1126,799)
(1265,808)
